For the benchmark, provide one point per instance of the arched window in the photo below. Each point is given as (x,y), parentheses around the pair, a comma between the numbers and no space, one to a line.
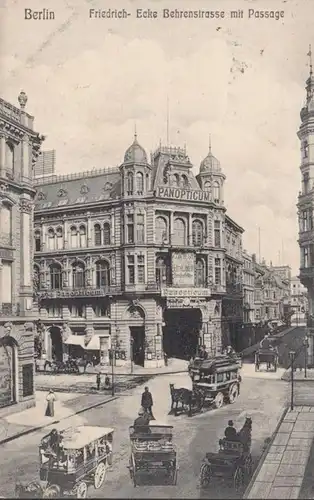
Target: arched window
(6,223)
(161,230)
(37,241)
(179,235)
(200,278)
(8,356)
(207,186)
(82,236)
(129,183)
(55,277)
(216,192)
(51,239)
(9,157)
(59,234)
(197,233)
(74,237)
(185,181)
(162,271)
(139,183)
(97,235)
(106,234)
(78,275)
(102,274)
(176,178)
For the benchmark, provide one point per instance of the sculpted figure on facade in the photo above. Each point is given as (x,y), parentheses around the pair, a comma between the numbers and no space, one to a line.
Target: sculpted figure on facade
(65,332)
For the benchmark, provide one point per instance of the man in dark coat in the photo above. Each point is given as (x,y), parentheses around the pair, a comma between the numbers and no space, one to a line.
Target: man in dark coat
(230,432)
(147,402)
(265,342)
(141,423)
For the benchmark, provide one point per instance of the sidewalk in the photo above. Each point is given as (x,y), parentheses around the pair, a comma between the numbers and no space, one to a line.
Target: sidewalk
(32,419)
(299,375)
(281,473)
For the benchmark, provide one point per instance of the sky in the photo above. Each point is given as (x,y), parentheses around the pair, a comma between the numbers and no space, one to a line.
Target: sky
(240,81)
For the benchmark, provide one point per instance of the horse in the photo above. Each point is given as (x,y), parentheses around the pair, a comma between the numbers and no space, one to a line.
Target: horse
(30,490)
(182,395)
(245,433)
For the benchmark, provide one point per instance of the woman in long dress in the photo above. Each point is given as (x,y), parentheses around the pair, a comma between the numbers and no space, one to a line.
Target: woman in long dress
(51,398)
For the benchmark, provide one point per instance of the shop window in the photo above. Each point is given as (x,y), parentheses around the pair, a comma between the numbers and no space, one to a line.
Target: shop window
(28,380)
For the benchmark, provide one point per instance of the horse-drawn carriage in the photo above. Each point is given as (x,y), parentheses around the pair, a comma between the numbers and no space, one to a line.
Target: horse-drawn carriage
(69,462)
(153,452)
(267,356)
(232,462)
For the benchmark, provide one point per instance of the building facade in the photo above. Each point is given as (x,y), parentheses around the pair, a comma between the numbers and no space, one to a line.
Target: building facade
(248,288)
(19,149)
(133,258)
(299,302)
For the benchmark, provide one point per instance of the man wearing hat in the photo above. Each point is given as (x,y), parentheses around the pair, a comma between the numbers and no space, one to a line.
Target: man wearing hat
(230,432)
(141,423)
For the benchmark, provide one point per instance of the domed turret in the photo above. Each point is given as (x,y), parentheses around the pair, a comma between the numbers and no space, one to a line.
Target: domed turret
(135,153)
(210,163)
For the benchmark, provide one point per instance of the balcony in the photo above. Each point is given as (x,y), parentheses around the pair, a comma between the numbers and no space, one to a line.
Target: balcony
(7,309)
(80,292)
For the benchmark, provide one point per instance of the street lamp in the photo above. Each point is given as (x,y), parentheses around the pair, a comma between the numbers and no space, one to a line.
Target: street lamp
(131,352)
(306,345)
(292,356)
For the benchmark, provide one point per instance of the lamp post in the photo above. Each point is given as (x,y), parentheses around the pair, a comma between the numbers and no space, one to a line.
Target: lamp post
(292,356)
(131,352)
(112,355)
(306,345)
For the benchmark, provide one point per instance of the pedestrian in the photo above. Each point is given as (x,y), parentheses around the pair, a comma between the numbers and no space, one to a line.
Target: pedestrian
(107,382)
(98,381)
(166,358)
(51,398)
(147,402)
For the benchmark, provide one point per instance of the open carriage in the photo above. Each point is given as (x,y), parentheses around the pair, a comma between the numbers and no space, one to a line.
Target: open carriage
(269,357)
(69,464)
(216,379)
(153,452)
(233,462)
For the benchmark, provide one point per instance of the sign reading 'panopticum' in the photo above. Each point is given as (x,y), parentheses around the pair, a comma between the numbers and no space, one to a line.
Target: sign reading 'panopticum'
(185,292)
(183,194)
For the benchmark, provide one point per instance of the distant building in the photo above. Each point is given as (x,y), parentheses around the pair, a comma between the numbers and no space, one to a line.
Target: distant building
(248,288)
(298,301)
(19,148)
(136,258)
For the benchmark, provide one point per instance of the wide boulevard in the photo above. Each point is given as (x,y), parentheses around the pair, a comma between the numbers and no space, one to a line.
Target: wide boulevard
(260,398)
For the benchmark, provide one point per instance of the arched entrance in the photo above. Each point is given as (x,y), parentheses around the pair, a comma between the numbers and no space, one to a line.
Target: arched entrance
(8,365)
(56,343)
(181,332)
(136,321)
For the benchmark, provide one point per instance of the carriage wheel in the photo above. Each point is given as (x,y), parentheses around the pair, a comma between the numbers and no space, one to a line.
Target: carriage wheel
(248,466)
(100,475)
(134,479)
(205,475)
(81,490)
(233,393)
(52,491)
(219,400)
(238,478)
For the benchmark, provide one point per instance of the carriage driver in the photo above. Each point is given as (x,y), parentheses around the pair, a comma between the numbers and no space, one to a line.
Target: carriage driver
(230,432)
(141,423)
(265,342)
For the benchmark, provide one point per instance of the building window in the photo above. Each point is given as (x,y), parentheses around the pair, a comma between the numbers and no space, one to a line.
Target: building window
(185,181)
(102,274)
(97,235)
(102,310)
(207,186)
(200,278)
(6,282)
(217,271)
(130,228)
(78,275)
(55,277)
(139,183)
(197,233)
(55,311)
(6,223)
(9,158)
(51,239)
(59,234)
(140,269)
(78,310)
(217,234)
(82,235)
(305,149)
(131,269)
(161,271)
(37,241)
(216,192)
(129,182)
(74,237)
(179,236)
(106,234)
(28,380)
(140,228)
(306,182)
(161,233)
(177,179)
(306,259)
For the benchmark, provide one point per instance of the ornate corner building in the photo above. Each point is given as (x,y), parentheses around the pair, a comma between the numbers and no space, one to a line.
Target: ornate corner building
(19,148)
(306,203)
(134,258)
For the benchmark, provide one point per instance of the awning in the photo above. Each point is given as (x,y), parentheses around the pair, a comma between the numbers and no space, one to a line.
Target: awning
(94,343)
(75,340)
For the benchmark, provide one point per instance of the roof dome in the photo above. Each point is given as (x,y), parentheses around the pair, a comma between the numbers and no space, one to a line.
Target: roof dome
(210,163)
(135,153)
